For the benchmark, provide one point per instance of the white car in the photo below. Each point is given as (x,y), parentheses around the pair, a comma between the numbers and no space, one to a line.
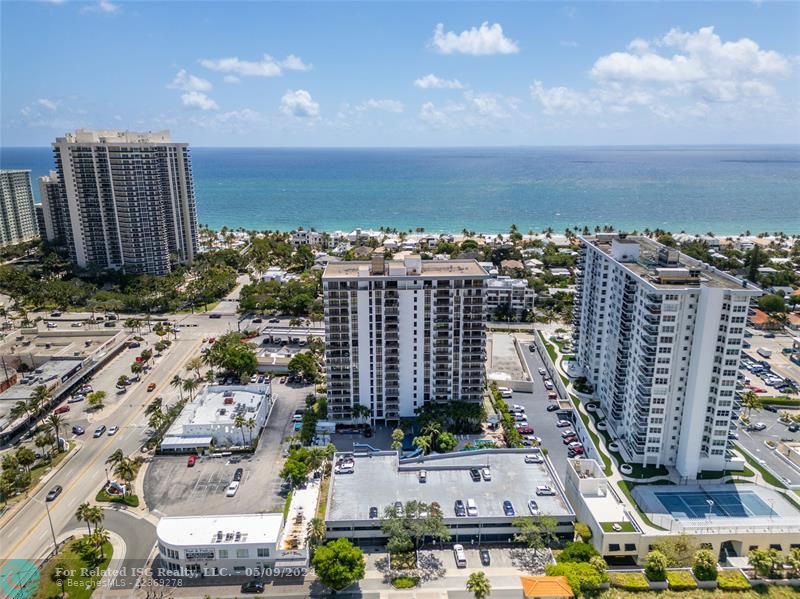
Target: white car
(542,371)
(544,490)
(232,488)
(575,444)
(113,431)
(548,385)
(568,433)
(517,408)
(487,474)
(534,459)
(563,423)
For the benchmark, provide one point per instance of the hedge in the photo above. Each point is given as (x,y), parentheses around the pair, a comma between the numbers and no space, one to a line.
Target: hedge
(629,581)
(732,580)
(405,582)
(780,401)
(129,500)
(681,580)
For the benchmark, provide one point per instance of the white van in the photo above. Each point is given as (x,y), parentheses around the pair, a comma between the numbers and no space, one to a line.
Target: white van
(461,557)
(472,508)
(505,392)
(764,352)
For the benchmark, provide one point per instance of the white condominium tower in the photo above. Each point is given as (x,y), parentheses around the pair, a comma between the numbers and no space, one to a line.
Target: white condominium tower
(658,334)
(401,334)
(126,198)
(17,214)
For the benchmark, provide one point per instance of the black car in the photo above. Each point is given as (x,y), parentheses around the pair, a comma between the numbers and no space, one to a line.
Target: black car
(274,320)
(794,427)
(257,321)
(475,474)
(215,315)
(552,407)
(77,430)
(486,559)
(373,512)
(460,510)
(54,492)
(237,476)
(253,586)
(508,508)
(772,409)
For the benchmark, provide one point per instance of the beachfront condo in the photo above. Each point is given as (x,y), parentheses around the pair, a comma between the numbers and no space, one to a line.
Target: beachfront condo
(122,200)
(659,335)
(17,214)
(401,334)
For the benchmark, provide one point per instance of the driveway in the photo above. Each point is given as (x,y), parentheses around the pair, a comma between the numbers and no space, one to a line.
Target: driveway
(753,441)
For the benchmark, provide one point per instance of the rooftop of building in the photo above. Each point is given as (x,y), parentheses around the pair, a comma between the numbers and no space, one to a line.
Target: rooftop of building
(237,529)
(410,266)
(50,373)
(380,479)
(504,282)
(12,171)
(661,266)
(116,136)
(219,405)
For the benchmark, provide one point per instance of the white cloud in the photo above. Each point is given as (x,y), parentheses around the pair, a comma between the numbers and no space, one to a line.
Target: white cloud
(300,104)
(266,67)
(105,6)
(476,110)
(231,79)
(387,105)
(477,41)
(195,99)
(187,82)
(556,100)
(48,104)
(431,81)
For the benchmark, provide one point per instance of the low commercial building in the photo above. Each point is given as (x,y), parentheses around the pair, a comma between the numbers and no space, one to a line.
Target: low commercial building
(211,419)
(247,545)
(513,294)
(732,519)
(379,479)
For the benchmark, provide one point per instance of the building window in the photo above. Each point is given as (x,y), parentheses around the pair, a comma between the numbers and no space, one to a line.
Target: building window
(263,552)
(613,547)
(223,553)
(242,553)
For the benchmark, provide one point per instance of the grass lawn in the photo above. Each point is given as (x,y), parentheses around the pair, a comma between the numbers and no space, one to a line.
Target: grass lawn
(550,349)
(609,526)
(286,504)
(595,438)
(77,586)
(322,505)
(37,472)
(129,500)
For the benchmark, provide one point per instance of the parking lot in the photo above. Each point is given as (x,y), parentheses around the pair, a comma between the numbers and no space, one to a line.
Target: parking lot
(172,488)
(753,441)
(542,421)
(778,361)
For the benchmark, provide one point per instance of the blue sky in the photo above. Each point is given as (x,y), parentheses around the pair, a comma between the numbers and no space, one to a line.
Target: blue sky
(403,74)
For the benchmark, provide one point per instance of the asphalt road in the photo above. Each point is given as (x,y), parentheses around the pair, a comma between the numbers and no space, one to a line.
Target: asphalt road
(753,442)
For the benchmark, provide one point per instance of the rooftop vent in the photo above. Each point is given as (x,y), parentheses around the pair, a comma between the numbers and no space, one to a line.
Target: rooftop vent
(668,257)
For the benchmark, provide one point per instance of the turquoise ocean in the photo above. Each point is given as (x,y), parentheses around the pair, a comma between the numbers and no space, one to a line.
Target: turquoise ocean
(724,189)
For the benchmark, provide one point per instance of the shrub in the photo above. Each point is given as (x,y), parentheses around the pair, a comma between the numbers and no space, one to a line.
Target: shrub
(732,580)
(655,566)
(577,552)
(405,582)
(681,580)
(581,576)
(629,581)
(705,565)
(583,531)
(129,500)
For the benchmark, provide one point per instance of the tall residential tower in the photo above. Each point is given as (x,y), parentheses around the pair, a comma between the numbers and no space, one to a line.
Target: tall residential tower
(17,215)
(123,200)
(402,334)
(659,334)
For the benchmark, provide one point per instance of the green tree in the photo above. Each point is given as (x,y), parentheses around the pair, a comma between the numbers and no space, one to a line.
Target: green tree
(338,564)
(793,561)
(239,422)
(536,533)
(679,550)
(751,402)
(126,471)
(194,364)
(91,514)
(190,386)
(232,354)
(772,304)
(315,532)
(100,537)
(95,398)
(25,457)
(577,552)
(764,561)
(55,421)
(397,439)
(655,565)
(583,532)
(304,365)
(705,565)
(295,471)
(446,442)
(423,443)
(478,584)
(115,458)
(177,381)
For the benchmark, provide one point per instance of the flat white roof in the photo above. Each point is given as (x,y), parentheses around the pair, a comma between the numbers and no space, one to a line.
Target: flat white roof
(193,531)
(185,442)
(218,405)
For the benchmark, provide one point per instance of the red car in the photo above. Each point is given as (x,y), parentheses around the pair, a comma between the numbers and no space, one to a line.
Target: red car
(61,409)
(568,440)
(525,430)
(192,460)
(151,387)
(758,390)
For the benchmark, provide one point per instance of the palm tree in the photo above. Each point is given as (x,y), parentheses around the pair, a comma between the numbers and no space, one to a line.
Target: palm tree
(177,381)
(155,421)
(251,424)
(37,401)
(315,531)
(190,386)
(423,442)
(154,407)
(115,458)
(478,584)
(20,409)
(126,470)
(361,411)
(82,514)
(55,421)
(100,537)
(239,422)
(751,401)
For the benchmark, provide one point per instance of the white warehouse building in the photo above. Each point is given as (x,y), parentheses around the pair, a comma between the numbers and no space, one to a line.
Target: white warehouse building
(211,419)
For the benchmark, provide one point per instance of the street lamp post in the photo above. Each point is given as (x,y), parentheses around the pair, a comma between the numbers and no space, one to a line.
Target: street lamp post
(52,530)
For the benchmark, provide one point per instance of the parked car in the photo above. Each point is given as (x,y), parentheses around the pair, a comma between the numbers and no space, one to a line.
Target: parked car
(460,556)
(237,475)
(568,433)
(574,444)
(525,429)
(542,371)
(215,315)
(76,398)
(574,451)
(61,409)
(77,430)
(460,509)
(98,432)
(274,320)
(533,459)
(544,490)
(486,473)
(257,321)
(486,558)
(191,461)
(794,427)
(533,507)
(552,407)
(252,586)
(113,431)
(232,488)
(758,426)
(563,423)
(508,508)
(570,439)
(53,493)
(472,508)
(475,474)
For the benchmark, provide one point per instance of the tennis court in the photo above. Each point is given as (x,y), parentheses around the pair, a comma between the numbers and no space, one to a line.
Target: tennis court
(699,504)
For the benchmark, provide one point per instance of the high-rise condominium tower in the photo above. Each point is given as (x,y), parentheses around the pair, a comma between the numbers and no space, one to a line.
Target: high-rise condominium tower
(402,334)
(658,334)
(122,200)
(17,215)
